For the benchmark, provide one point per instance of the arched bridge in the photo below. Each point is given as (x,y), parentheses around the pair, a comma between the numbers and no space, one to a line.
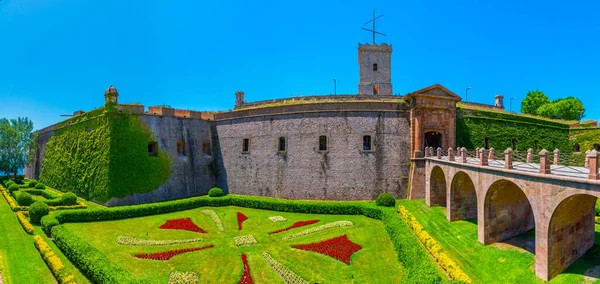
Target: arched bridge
(508,198)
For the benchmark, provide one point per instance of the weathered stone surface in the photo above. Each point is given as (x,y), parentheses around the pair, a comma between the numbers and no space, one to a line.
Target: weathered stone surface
(345,171)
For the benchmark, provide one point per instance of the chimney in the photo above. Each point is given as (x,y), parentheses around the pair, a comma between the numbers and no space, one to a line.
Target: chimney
(499,101)
(239,99)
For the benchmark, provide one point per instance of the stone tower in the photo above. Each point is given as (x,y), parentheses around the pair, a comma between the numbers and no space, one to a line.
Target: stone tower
(111,95)
(375,61)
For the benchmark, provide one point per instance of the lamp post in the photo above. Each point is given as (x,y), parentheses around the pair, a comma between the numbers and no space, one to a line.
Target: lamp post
(467,94)
(334,87)
(511,103)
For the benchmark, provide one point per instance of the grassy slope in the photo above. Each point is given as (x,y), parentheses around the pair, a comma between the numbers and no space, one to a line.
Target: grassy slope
(375,263)
(20,262)
(489,264)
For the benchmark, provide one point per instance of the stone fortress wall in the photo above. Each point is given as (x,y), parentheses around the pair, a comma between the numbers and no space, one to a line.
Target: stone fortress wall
(344,171)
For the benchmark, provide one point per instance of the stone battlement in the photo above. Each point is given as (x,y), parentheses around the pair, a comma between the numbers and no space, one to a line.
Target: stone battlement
(384,47)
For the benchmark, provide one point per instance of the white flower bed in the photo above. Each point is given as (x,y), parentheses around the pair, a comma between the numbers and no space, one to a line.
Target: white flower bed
(178,277)
(244,240)
(335,224)
(286,274)
(277,219)
(213,215)
(129,241)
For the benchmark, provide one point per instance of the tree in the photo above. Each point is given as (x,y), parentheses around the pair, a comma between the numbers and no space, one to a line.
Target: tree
(568,108)
(16,142)
(533,100)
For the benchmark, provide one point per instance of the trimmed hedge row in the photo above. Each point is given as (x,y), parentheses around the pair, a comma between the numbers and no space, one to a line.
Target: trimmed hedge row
(420,268)
(92,262)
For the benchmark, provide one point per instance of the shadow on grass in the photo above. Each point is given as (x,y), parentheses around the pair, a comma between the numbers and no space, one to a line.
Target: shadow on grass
(524,241)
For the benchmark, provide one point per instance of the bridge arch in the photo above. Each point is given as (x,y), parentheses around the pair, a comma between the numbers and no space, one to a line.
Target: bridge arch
(462,198)
(437,187)
(507,212)
(570,231)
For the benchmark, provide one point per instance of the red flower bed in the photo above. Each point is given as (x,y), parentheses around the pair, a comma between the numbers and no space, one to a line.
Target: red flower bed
(246,277)
(182,224)
(296,225)
(340,248)
(169,254)
(241,218)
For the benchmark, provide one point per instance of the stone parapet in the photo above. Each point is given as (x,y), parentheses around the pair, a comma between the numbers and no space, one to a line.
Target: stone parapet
(163,111)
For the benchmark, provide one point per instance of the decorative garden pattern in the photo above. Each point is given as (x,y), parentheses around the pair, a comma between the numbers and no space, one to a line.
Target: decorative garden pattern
(340,248)
(182,224)
(168,248)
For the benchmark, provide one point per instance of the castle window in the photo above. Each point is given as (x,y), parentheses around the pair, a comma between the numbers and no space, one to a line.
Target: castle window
(367,143)
(374,66)
(180,149)
(536,145)
(576,148)
(246,145)
(514,144)
(282,144)
(322,143)
(487,143)
(206,148)
(152,148)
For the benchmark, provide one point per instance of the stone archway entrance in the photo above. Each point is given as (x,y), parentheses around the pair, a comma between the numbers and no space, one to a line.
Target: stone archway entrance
(433,139)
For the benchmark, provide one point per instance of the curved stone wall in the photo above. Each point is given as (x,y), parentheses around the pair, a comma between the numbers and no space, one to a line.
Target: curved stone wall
(343,172)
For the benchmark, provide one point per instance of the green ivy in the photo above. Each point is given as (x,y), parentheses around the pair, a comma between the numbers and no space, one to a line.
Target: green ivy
(585,137)
(473,126)
(103,154)
(132,170)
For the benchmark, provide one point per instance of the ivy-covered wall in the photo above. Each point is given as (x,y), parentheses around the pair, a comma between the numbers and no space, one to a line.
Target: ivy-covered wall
(77,158)
(103,154)
(474,125)
(132,170)
(587,138)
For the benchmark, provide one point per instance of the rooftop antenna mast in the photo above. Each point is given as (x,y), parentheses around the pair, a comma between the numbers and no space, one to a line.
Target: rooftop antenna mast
(373,29)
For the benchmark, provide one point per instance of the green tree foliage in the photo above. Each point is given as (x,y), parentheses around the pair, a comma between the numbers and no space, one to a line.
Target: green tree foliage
(569,108)
(16,141)
(533,100)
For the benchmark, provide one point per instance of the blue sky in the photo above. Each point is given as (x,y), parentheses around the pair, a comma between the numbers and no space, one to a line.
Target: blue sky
(59,56)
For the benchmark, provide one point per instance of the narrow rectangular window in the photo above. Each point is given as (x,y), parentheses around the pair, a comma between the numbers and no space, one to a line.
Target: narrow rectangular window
(180,148)
(206,148)
(152,148)
(282,144)
(536,145)
(367,143)
(514,144)
(322,143)
(487,143)
(246,145)
(374,66)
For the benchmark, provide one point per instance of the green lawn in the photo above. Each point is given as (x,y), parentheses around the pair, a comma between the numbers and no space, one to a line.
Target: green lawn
(376,262)
(491,264)
(20,261)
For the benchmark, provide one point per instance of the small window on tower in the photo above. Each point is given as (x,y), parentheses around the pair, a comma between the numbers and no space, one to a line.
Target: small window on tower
(246,145)
(282,144)
(180,149)
(367,143)
(374,66)
(323,143)
(152,148)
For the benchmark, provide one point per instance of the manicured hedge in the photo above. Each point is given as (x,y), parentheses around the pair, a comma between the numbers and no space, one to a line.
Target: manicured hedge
(420,268)
(92,262)
(385,199)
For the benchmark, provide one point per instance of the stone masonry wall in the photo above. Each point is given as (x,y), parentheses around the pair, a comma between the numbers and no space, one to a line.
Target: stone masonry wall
(190,173)
(344,172)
